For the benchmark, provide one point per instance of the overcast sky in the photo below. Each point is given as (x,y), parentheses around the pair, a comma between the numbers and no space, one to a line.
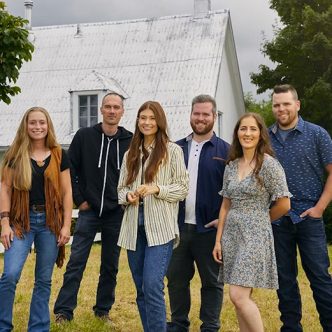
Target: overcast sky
(250,20)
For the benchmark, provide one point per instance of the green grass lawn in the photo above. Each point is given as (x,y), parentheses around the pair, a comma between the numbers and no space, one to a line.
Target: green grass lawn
(124,312)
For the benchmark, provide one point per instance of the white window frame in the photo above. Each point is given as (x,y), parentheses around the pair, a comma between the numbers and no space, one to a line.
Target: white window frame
(75,105)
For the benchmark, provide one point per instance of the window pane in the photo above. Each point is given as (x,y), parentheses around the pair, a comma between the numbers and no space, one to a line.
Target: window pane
(83,101)
(83,111)
(93,111)
(94,100)
(93,120)
(83,122)
(88,110)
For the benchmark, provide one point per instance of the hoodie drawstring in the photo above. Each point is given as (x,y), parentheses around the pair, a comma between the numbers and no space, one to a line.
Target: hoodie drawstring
(118,153)
(101,150)
(106,162)
(105,175)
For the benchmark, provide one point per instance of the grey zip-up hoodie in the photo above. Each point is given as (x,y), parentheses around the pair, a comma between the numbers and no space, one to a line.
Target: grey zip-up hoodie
(95,166)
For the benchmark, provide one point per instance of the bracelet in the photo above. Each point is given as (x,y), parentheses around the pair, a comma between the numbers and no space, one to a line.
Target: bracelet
(4,214)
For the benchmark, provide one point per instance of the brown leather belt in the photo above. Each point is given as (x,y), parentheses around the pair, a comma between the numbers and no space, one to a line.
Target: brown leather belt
(38,208)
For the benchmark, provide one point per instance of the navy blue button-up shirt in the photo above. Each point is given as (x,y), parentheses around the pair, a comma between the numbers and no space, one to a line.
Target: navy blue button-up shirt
(304,154)
(210,175)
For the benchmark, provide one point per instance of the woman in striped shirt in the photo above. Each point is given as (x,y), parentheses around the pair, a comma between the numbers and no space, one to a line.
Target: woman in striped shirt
(153,179)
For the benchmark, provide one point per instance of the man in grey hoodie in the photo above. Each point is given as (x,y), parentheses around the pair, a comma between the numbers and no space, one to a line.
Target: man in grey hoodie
(96,155)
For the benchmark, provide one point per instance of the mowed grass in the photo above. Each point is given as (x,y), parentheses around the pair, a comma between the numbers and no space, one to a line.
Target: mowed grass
(124,313)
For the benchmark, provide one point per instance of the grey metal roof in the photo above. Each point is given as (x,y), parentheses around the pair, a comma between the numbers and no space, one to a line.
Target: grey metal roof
(169,59)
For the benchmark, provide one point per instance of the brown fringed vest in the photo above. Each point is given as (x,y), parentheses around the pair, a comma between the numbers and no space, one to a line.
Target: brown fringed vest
(19,211)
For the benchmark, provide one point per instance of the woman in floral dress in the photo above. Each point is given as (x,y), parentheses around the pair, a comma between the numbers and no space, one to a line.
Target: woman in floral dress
(244,246)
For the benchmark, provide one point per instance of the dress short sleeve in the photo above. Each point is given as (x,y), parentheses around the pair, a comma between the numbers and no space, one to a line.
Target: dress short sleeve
(224,191)
(274,178)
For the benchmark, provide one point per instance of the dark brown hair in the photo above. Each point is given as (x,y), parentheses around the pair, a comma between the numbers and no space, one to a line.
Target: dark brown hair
(263,146)
(284,88)
(159,152)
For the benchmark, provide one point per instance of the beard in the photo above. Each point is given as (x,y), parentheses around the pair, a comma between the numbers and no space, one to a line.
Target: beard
(201,130)
(290,119)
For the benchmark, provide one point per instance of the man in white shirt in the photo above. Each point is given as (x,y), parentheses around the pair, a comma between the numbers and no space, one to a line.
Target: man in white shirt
(205,155)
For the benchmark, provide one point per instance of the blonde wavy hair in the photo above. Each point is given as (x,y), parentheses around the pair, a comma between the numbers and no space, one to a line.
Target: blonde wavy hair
(16,162)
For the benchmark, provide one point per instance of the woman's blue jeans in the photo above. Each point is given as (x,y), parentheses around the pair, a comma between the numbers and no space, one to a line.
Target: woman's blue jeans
(148,266)
(46,253)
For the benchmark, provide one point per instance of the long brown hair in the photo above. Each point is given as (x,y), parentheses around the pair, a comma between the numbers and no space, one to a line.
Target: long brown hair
(263,146)
(17,157)
(159,152)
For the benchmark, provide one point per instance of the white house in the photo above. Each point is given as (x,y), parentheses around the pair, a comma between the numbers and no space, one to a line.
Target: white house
(169,59)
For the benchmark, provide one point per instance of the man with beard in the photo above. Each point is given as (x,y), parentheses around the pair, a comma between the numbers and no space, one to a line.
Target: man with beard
(305,152)
(205,155)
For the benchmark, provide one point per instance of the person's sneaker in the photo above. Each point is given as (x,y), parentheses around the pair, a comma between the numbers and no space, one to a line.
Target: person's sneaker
(61,318)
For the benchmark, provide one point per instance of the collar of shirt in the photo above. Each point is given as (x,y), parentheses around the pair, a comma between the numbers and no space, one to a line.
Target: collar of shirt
(212,140)
(299,126)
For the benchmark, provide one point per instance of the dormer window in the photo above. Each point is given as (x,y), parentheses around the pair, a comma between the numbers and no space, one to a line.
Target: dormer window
(86,95)
(85,108)
(88,110)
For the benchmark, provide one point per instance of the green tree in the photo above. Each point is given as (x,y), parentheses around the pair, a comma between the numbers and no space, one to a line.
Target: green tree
(301,51)
(264,108)
(15,48)
(302,54)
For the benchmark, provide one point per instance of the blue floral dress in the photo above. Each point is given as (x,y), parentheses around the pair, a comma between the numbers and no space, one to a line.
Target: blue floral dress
(247,239)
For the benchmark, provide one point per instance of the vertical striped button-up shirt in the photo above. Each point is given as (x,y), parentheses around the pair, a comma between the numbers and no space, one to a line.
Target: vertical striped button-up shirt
(160,210)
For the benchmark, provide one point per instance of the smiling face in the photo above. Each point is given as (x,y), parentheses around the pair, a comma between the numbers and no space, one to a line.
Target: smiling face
(285,109)
(249,133)
(147,123)
(202,118)
(37,125)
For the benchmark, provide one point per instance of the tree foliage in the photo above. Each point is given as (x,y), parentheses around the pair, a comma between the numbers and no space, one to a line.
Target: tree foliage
(264,108)
(15,48)
(302,53)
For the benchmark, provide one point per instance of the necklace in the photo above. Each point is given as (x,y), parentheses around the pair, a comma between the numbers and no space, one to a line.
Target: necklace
(149,145)
(40,163)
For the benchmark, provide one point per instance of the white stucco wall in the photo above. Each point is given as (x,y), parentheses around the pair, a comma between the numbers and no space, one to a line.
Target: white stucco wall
(229,93)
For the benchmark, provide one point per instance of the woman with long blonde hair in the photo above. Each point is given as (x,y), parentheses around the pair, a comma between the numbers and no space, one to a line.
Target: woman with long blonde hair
(36,205)
(153,179)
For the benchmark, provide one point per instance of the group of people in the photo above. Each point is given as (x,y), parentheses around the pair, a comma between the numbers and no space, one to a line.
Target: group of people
(238,213)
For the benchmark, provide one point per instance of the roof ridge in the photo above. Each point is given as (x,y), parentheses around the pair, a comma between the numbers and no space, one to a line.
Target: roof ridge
(147,19)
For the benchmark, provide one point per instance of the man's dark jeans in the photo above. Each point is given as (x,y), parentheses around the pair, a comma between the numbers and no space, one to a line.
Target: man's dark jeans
(88,224)
(194,248)
(309,236)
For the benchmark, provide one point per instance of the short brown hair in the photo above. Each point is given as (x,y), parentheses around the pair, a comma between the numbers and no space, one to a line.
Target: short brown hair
(112,93)
(283,88)
(204,99)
